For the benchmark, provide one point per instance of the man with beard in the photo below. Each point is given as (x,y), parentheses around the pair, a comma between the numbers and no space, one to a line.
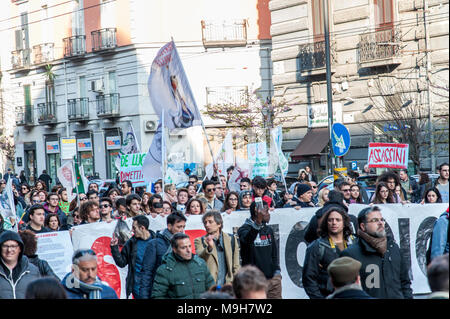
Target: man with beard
(384,272)
(335,236)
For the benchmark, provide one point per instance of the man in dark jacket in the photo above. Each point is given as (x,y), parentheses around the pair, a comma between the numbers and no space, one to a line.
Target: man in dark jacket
(258,247)
(156,249)
(132,253)
(82,282)
(182,275)
(384,272)
(52,206)
(335,236)
(303,197)
(16,272)
(344,275)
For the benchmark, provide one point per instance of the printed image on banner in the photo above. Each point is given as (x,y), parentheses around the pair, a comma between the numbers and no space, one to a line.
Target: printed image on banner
(131,168)
(257,157)
(170,92)
(389,155)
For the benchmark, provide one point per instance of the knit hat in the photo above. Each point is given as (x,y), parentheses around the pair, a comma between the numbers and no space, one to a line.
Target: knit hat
(344,269)
(302,188)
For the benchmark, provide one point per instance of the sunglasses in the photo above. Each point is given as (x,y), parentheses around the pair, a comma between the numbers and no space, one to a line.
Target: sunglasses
(211,190)
(82,253)
(84,198)
(105,206)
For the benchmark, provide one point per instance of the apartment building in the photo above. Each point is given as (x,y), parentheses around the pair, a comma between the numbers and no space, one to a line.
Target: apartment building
(79,69)
(380,50)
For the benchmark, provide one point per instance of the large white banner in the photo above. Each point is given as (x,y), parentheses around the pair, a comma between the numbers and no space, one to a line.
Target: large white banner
(56,248)
(411,226)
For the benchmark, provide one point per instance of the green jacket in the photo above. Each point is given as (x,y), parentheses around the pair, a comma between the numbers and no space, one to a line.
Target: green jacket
(180,279)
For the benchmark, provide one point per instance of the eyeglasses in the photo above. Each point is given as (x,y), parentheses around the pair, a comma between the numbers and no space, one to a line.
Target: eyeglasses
(56,199)
(233,199)
(82,253)
(76,216)
(346,190)
(191,182)
(84,198)
(376,220)
(12,247)
(105,206)
(24,188)
(210,189)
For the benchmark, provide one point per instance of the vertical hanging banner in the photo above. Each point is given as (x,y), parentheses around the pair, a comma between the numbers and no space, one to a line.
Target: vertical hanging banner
(170,91)
(7,207)
(257,157)
(277,139)
(389,155)
(131,168)
(129,145)
(67,178)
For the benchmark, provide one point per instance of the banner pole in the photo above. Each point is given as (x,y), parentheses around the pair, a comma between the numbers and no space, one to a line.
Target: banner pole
(163,151)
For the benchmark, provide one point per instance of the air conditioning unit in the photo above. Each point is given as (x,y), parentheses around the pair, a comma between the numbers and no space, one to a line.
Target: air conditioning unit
(150,126)
(97,86)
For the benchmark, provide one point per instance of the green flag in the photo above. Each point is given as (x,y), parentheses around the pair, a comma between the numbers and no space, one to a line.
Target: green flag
(80,184)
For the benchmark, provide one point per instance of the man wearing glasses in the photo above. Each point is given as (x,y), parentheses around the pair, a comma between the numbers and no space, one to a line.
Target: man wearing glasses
(209,188)
(384,272)
(344,188)
(82,282)
(16,272)
(193,180)
(106,210)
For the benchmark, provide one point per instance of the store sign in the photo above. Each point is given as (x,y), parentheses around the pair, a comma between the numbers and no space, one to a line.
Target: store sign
(113,143)
(68,148)
(84,144)
(52,147)
(318,114)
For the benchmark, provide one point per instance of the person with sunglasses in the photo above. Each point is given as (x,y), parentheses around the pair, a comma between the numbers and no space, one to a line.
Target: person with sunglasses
(16,272)
(106,210)
(384,271)
(82,282)
(209,189)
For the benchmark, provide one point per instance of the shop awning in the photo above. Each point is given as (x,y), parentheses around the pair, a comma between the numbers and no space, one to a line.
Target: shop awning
(312,144)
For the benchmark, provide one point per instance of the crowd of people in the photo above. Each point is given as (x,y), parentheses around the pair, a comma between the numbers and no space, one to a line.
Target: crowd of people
(241,265)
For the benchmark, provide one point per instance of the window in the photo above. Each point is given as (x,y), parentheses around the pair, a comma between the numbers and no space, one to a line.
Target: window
(383,14)
(78,17)
(317,10)
(112,85)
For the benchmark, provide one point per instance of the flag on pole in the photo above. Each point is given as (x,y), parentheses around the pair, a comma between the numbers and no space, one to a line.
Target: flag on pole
(67,178)
(130,145)
(276,135)
(79,180)
(224,158)
(153,162)
(170,91)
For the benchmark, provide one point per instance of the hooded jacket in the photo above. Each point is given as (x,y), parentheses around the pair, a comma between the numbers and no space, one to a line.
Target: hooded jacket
(76,289)
(13,284)
(177,278)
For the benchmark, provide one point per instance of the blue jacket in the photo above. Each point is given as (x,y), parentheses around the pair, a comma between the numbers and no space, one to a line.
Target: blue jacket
(439,244)
(154,252)
(80,293)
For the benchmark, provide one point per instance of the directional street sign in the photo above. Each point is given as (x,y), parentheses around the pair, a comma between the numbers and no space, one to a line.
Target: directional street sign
(340,139)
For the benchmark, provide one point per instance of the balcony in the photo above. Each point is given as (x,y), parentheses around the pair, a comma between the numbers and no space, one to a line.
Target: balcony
(43,53)
(75,47)
(380,48)
(108,105)
(225,34)
(46,112)
(21,59)
(312,59)
(231,95)
(24,116)
(104,39)
(78,109)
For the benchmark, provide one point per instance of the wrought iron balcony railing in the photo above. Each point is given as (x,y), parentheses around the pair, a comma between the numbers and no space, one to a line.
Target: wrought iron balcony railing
(74,46)
(24,115)
(231,95)
(78,109)
(46,112)
(379,45)
(225,34)
(43,53)
(312,55)
(108,105)
(104,39)
(21,59)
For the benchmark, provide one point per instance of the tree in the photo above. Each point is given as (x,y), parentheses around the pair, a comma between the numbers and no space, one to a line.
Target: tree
(400,114)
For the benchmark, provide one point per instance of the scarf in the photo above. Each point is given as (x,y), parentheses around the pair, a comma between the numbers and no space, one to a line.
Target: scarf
(64,207)
(379,244)
(94,290)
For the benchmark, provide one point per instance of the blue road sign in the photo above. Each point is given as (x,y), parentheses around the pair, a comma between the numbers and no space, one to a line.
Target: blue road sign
(340,139)
(354,165)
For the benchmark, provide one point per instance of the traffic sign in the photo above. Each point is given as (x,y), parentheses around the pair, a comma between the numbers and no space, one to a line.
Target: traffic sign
(354,165)
(340,139)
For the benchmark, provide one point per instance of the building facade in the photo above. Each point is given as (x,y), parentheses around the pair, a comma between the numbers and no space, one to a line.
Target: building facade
(79,69)
(381,52)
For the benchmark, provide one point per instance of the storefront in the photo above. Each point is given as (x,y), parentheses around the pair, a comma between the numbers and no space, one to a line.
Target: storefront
(86,155)
(29,150)
(53,157)
(113,146)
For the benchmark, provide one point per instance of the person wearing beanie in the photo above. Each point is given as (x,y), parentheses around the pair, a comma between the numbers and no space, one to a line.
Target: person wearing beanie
(384,271)
(335,236)
(16,272)
(302,198)
(344,275)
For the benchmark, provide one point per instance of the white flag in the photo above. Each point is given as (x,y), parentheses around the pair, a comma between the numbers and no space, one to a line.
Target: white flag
(170,92)
(224,158)
(8,208)
(67,178)
(152,167)
(276,135)
(130,145)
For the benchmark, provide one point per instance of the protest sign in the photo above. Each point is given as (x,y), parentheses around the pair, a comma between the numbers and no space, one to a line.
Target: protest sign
(389,155)
(410,225)
(56,248)
(131,168)
(257,157)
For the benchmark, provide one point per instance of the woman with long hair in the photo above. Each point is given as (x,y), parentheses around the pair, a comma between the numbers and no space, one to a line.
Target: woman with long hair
(52,222)
(382,194)
(113,193)
(302,176)
(355,194)
(145,206)
(424,184)
(323,196)
(40,185)
(25,192)
(431,196)
(231,203)
(195,207)
(192,192)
